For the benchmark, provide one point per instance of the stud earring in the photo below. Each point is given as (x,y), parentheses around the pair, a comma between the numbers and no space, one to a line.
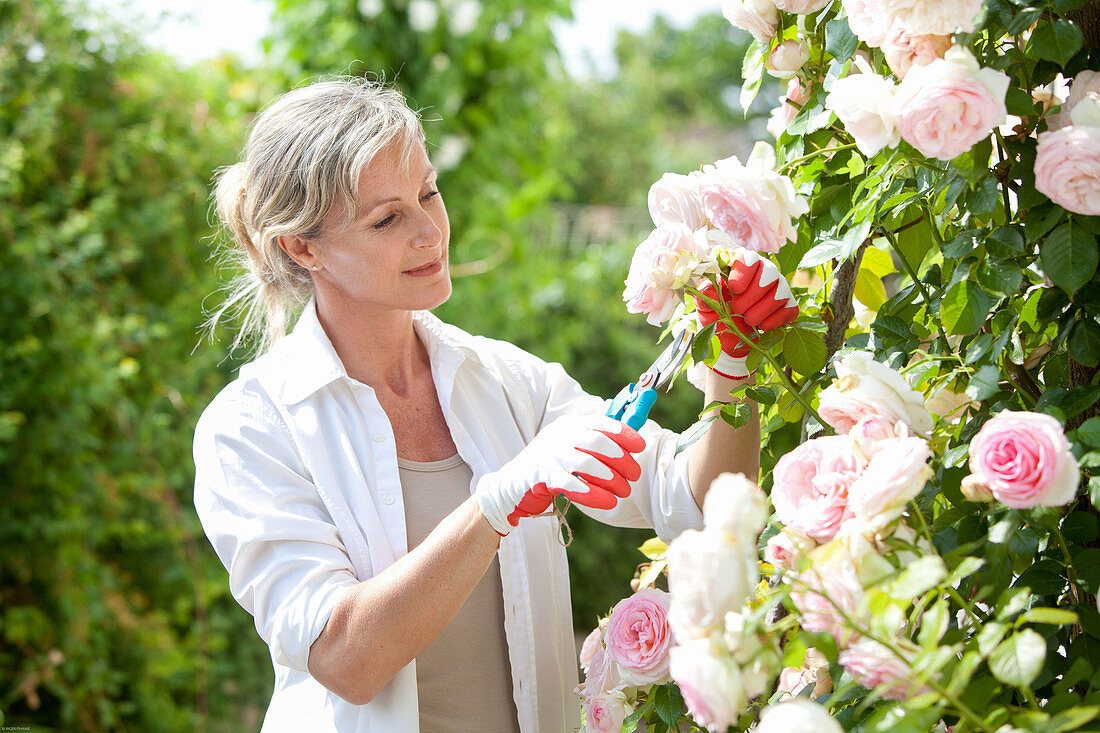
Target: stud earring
(315,268)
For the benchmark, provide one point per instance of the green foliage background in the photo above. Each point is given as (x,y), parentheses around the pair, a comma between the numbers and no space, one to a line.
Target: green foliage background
(114,611)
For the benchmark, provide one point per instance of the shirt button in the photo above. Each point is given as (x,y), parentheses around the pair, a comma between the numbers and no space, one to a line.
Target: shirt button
(387,499)
(378,437)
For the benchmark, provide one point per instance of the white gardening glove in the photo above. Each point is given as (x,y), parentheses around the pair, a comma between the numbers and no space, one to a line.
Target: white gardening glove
(586,458)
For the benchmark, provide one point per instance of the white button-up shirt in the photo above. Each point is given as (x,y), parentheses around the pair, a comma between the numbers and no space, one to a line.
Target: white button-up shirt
(297,489)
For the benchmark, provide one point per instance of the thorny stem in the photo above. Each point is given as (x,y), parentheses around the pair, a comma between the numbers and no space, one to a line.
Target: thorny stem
(820,151)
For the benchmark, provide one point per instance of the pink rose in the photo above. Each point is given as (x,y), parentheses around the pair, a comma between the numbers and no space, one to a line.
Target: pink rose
(1025,460)
(665,262)
(751,202)
(867,434)
(865,388)
(784,550)
(1067,168)
(638,637)
(711,683)
(896,474)
(606,712)
(944,108)
(905,49)
(867,20)
(814,671)
(602,674)
(801,7)
(825,594)
(592,643)
(758,17)
(810,491)
(934,17)
(873,665)
(673,200)
(787,58)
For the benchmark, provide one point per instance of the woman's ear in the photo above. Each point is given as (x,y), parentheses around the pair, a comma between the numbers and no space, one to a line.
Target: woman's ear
(300,250)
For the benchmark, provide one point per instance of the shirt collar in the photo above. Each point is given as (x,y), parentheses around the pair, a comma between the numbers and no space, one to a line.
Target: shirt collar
(308,361)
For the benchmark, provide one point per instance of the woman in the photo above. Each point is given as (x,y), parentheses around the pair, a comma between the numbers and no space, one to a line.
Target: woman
(373,481)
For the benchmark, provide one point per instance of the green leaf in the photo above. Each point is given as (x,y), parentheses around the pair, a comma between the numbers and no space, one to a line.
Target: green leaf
(702,348)
(963,244)
(1057,41)
(653,548)
(1072,719)
(752,70)
(840,42)
(965,308)
(1000,277)
(763,395)
(736,414)
(984,384)
(918,577)
(1080,527)
(1018,659)
(1005,242)
(1023,20)
(898,719)
(966,568)
(974,163)
(821,253)
(1052,616)
(1069,256)
(933,624)
(1089,432)
(693,433)
(804,351)
(1084,342)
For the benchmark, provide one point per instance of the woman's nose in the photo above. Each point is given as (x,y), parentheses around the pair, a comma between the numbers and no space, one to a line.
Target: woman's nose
(428,233)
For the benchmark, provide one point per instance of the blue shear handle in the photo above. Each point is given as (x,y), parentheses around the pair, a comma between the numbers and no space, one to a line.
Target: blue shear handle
(632,407)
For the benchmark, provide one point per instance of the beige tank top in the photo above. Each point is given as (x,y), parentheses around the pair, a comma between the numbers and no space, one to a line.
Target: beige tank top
(463,678)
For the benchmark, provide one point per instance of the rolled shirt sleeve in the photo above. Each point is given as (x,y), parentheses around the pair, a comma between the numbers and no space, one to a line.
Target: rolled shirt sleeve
(268,525)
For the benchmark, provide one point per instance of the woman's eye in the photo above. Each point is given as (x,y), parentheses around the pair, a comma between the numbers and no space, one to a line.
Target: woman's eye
(384,222)
(429,195)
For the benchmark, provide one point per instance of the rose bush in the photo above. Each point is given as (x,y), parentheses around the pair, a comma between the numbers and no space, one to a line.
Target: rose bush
(931,464)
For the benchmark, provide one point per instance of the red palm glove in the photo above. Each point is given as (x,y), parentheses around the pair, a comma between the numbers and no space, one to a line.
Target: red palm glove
(587,459)
(758,297)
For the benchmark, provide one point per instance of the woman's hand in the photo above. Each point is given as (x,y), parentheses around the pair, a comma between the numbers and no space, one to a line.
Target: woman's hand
(587,459)
(757,297)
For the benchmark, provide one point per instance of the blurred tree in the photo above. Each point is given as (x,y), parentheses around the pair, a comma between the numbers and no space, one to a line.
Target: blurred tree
(113,612)
(485,73)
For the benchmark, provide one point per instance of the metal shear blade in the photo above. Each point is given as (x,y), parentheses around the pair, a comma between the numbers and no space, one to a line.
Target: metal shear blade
(666,365)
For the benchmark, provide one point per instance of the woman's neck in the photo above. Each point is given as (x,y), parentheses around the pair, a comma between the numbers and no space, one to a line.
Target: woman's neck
(378,349)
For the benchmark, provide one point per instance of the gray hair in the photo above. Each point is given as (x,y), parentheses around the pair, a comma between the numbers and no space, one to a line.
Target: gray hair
(304,155)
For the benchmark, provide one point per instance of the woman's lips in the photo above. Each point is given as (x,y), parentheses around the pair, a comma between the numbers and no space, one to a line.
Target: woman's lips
(431,268)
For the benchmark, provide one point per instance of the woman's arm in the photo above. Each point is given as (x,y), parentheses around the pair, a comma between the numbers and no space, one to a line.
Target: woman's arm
(724,448)
(382,624)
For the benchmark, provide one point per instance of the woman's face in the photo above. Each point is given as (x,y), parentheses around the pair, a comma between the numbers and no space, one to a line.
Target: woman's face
(394,253)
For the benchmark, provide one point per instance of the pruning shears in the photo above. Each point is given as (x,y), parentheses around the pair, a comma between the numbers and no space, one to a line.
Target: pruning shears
(633,402)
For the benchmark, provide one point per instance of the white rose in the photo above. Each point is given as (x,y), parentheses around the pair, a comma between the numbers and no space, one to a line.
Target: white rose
(865,387)
(787,58)
(1087,112)
(896,474)
(758,17)
(708,575)
(934,17)
(710,682)
(864,103)
(672,200)
(737,506)
(797,716)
